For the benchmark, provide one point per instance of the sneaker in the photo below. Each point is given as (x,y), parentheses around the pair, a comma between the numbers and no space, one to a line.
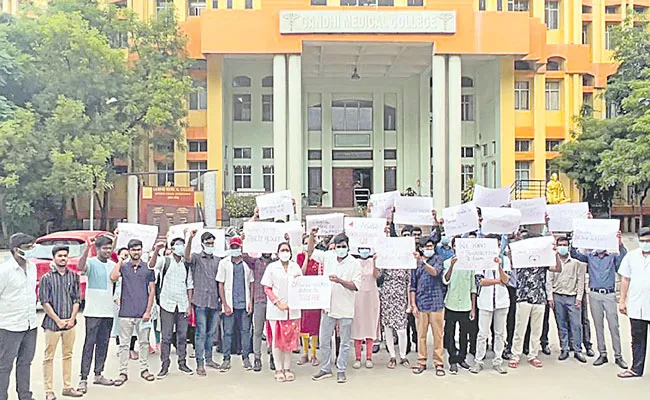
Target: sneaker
(184,369)
(356,364)
(341,378)
(200,371)
(463,365)
(257,365)
(246,363)
(191,353)
(212,364)
(499,368)
(163,373)
(83,387)
(369,364)
(453,368)
(320,375)
(103,381)
(476,368)
(225,366)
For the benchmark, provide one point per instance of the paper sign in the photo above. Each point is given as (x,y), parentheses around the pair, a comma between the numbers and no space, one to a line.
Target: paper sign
(486,197)
(533,252)
(460,219)
(383,203)
(500,220)
(182,231)
(413,211)
(364,232)
(560,216)
(265,237)
(295,231)
(476,254)
(146,233)
(533,211)
(219,241)
(310,293)
(396,252)
(596,234)
(273,205)
(327,224)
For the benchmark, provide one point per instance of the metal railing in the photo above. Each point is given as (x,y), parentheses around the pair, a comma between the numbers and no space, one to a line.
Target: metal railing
(528,188)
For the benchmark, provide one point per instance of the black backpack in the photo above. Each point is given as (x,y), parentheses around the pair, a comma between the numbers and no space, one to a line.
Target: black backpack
(161,277)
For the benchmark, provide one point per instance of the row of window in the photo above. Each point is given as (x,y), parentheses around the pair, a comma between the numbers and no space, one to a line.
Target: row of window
(552,94)
(368,3)
(196,7)
(525,145)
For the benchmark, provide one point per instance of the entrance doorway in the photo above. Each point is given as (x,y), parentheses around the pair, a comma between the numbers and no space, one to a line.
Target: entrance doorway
(345,181)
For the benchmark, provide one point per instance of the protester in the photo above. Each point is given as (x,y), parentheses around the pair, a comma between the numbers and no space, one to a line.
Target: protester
(309,319)
(394,295)
(366,308)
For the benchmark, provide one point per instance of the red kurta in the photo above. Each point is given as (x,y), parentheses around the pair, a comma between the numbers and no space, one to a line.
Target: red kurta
(310,319)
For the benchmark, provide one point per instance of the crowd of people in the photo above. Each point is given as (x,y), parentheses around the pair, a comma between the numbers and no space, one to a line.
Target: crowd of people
(239,300)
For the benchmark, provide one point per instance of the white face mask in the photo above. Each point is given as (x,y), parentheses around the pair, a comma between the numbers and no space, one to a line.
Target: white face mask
(208,250)
(21,253)
(284,256)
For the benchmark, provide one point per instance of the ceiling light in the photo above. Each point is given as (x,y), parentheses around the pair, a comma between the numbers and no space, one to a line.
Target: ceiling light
(355,75)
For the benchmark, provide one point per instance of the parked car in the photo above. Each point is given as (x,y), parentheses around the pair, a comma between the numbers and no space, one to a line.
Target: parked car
(77,241)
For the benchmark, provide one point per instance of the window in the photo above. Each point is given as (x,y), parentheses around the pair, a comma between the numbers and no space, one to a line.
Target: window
(165,173)
(351,154)
(553,65)
(467,151)
(242,175)
(268,177)
(486,174)
(639,9)
(120,40)
(197,171)
(267,107)
(608,36)
(390,154)
(481,5)
(196,8)
(552,144)
(215,4)
(494,172)
(522,170)
(242,153)
(517,5)
(161,5)
(611,10)
(314,118)
(390,179)
(390,114)
(467,107)
(229,4)
(484,148)
(241,81)
(588,80)
(267,153)
(587,104)
(522,95)
(494,147)
(552,14)
(553,95)
(314,155)
(242,107)
(267,81)
(197,146)
(318,2)
(164,146)
(199,96)
(523,66)
(499,5)
(248,4)
(385,3)
(522,145)
(586,9)
(585,34)
(550,171)
(315,186)
(466,173)
(351,115)
(415,3)
(611,109)
(466,82)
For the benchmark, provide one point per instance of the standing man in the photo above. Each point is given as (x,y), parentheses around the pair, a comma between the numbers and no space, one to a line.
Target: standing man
(174,298)
(235,289)
(98,311)
(258,266)
(564,291)
(344,272)
(635,300)
(59,295)
(602,267)
(205,298)
(138,292)
(17,316)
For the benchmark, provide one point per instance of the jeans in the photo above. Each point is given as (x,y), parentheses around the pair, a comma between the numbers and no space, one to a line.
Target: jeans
(496,319)
(605,306)
(98,336)
(568,317)
(327,327)
(451,319)
(535,314)
(259,320)
(639,330)
(207,321)
(169,321)
(127,326)
(241,321)
(512,311)
(19,347)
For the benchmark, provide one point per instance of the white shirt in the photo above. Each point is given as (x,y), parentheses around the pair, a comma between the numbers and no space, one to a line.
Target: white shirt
(278,279)
(99,289)
(176,283)
(17,296)
(349,269)
(494,296)
(636,267)
(225,276)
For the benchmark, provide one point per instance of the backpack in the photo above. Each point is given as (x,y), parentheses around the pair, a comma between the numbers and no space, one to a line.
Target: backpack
(161,277)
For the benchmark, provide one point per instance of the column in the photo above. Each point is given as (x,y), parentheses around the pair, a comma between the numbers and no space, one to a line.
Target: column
(455,131)
(327,145)
(438,133)
(507,121)
(425,137)
(378,134)
(539,124)
(295,147)
(133,195)
(210,198)
(215,121)
(280,121)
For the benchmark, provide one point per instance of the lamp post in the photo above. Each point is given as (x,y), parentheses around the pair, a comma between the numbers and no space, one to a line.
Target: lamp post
(92,206)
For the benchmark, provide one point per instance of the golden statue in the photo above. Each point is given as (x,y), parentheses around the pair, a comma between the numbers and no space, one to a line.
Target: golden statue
(555,191)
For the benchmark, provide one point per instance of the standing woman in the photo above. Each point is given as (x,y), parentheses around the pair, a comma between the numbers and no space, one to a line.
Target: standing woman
(394,314)
(310,319)
(285,323)
(366,309)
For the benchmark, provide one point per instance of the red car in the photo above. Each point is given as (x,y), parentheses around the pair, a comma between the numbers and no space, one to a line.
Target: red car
(77,241)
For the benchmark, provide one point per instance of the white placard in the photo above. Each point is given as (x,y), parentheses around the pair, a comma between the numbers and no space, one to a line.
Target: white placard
(500,220)
(486,197)
(295,231)
(146,233)
(182,231)
(460,219)
(310,293)
(533,211)
(264,237)
(476,254)
(272,205)
(219,241)
(327,224)
(413,211)
(396,253)
(533,252)
(561,216)
(364,232)
(383,203)
(596,234)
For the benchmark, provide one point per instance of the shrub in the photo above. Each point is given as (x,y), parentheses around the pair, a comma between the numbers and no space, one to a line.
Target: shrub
(240,206)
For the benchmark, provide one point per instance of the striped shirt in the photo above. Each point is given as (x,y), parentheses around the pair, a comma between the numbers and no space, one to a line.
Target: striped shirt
(61,291)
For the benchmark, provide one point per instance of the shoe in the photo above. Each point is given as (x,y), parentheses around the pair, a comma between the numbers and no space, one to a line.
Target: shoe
(247,364)
(507,355)
(225,366)
(271,363)
(375,348)
(580,357)
(563,355)
(163,373)
(341,378)
(476,368)
(191,353)
(621,363)
(463,365)
(257,365)
(83,387)
(71,392)
(546,350)
(184,369)
(212,364)
(499,368)
(103,381)
(369,364)
(200,371)
(600,361)
(320,375)
(356,364)
(590,352)
(50,396)
(453,368)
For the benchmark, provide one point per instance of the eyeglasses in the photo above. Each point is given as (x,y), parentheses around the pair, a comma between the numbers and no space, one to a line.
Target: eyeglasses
(341,246)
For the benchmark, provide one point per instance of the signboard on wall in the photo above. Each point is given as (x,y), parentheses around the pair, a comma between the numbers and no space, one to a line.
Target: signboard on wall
(166,206)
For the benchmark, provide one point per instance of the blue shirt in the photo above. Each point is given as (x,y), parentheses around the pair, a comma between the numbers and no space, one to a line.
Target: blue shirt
(238,287)
(444,252)
(429,290)
(135,289)
(602,271)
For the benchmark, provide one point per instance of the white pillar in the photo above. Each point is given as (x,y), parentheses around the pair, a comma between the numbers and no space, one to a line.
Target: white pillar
(280,121)
(210,198)
(438,133)
(425,137)
(455,131)
(295,148)
(378,143)
(132,199)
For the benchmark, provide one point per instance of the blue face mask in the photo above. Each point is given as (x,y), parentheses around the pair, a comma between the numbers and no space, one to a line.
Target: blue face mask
(445,240)
(179,249)
(364,253)
(644,246)
(235,252)
(563,250)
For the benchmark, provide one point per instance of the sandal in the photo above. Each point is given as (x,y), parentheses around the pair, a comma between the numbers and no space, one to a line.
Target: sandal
(147,376)
(628,374)
(121,380)
(405,363)
(315,362)
(440,370)
(392,363)
(417,370)
(303,360)
(289,376)
(513,364)
(535,363)
(279,376)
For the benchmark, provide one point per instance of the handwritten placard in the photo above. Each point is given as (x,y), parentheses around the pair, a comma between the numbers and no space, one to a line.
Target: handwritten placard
(533,211)
(383,203)
(327,224)
(310,293)
(486,197)
(146,233)
(500,220)
(272,205)
(264,237)
(295,231)
(476,254)
(460,219)
(533,252)
(413,211)
(182,231)
(561,216)
(396,252)
(219,241)
(364,232)
(596,234)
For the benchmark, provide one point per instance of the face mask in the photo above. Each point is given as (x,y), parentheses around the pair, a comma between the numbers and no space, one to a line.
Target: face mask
(644,246)
(600,251)
(179,249)
(235,252)
(563,250)
(364,253)
(341,252)
(208,250)
(445,240)
(284,256)
(21,254)
(305,247)
(428,253)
